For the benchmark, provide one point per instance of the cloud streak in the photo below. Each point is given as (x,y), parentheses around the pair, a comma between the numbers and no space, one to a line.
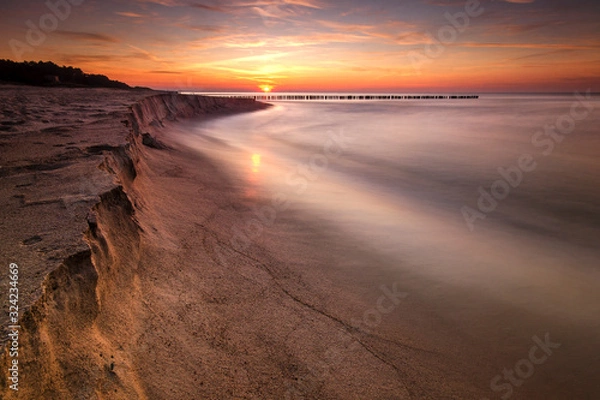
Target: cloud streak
(207,8)
(129,14)
(88,36)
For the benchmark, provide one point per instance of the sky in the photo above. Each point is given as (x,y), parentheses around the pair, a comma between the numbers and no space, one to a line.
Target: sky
(315,45)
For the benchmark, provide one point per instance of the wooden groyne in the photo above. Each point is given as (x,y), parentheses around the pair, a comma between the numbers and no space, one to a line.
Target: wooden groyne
(337,97)
(291,97)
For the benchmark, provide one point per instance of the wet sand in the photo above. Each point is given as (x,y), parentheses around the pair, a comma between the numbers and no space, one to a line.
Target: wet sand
(154,301)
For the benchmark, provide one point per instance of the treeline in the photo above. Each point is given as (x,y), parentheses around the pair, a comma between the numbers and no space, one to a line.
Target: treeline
(49,74)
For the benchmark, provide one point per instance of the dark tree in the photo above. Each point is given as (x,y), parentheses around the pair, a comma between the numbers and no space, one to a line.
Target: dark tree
(49,74)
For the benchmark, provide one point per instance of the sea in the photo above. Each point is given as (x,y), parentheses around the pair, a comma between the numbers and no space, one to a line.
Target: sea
(499,193)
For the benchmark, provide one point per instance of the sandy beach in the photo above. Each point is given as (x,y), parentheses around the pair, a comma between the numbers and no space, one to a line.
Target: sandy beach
(130,286)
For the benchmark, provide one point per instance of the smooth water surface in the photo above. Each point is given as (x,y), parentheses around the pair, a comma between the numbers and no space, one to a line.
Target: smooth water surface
(487,194)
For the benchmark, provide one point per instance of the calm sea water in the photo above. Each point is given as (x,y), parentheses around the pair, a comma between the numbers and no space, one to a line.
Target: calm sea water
(501,193)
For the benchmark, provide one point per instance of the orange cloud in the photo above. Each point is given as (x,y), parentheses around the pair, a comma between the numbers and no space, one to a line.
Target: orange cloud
(88,36)
(129,14)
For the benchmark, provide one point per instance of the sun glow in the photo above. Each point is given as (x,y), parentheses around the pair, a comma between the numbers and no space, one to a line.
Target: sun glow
(266,88)
(255,162)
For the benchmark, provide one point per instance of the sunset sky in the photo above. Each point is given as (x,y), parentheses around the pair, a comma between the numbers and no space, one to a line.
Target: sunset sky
(316,45)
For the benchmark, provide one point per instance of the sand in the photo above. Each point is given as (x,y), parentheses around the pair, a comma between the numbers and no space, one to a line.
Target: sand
(135,291)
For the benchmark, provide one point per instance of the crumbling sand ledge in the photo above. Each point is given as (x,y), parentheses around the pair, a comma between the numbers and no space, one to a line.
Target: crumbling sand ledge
(62,327)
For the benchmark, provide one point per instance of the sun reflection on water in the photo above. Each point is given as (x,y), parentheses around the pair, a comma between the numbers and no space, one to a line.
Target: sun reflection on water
(254,176)
(255,163)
